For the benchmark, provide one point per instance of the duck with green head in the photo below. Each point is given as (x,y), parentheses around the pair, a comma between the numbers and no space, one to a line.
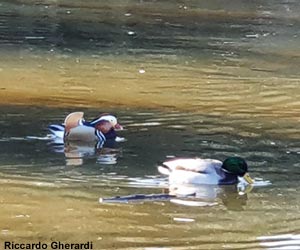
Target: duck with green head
(205,171)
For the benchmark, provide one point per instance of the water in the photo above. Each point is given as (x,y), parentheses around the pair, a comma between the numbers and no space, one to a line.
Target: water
(185,79)
(35,180)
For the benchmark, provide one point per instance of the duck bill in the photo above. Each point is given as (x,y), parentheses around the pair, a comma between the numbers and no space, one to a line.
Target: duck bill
(248,178)
(118,127)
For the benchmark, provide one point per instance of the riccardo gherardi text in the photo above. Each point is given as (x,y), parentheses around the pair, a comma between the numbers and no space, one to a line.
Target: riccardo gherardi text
(53,245)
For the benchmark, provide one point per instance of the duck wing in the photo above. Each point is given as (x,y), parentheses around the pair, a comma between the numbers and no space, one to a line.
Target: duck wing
(73,120)
(194,165)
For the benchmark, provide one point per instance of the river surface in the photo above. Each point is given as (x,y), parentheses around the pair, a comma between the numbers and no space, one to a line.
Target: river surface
(206,79)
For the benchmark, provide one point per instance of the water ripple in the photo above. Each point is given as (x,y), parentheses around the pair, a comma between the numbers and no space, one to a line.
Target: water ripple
(280,242)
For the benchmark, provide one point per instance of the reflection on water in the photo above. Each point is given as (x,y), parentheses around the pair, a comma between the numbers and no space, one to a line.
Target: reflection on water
(76,152)
(192,78)
(190,195)
(35,180)
(237,60)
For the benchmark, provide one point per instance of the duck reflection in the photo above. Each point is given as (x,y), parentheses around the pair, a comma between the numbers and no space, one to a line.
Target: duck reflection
(77,151)
(233,197)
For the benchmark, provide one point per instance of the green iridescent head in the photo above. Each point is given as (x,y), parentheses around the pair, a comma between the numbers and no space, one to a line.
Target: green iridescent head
(238,166)
(235,165)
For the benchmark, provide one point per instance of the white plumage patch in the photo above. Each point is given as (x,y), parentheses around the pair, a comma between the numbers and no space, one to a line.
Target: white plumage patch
(193,164)
(191,171)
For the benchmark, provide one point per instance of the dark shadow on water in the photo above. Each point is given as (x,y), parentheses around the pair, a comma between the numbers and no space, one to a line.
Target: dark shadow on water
(191,196)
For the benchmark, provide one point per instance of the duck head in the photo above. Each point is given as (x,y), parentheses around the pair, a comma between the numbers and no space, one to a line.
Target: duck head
(107,124)
(238,166)
(112,120)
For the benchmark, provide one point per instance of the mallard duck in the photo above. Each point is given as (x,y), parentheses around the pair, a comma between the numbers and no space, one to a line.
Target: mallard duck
(205,171)
(75,128)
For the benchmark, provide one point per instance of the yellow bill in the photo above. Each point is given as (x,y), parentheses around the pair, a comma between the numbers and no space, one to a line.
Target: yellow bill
(248,178)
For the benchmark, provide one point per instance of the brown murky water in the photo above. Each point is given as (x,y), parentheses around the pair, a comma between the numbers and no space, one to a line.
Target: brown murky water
(186,79)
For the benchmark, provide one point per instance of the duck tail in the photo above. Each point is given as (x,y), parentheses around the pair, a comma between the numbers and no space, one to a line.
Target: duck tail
(164,169)
(57,130)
